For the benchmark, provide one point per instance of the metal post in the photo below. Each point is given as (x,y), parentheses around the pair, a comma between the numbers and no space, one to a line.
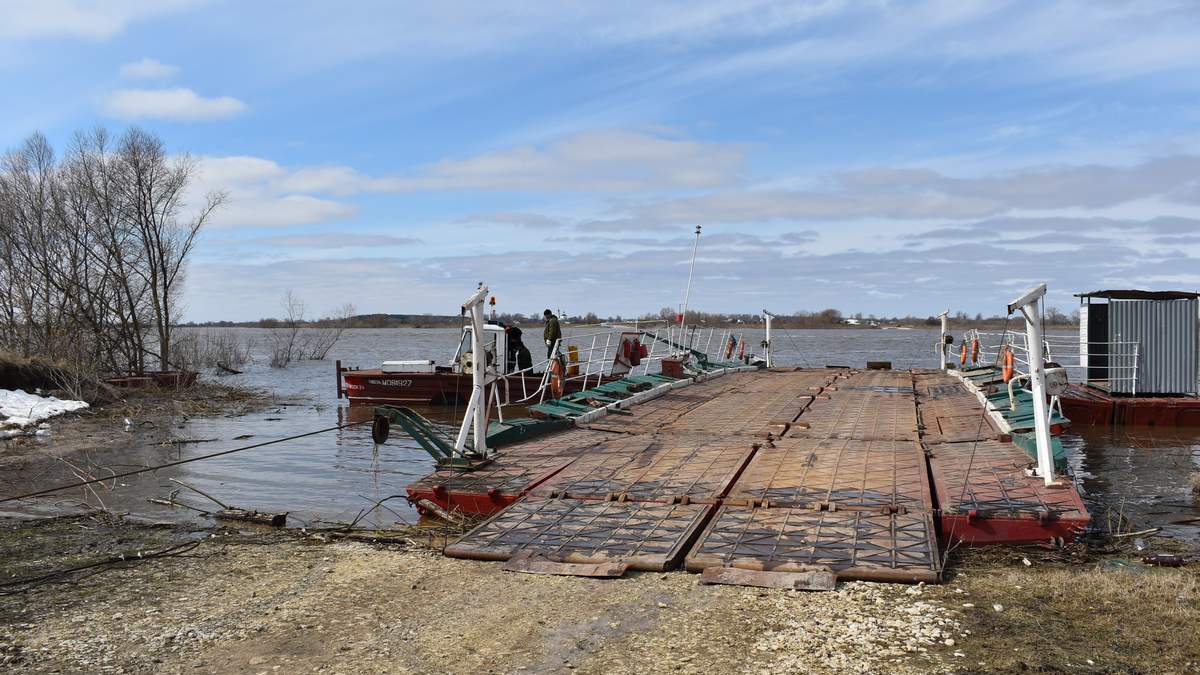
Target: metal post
(941,346)
(767,338)
(477,409)
(1030,306)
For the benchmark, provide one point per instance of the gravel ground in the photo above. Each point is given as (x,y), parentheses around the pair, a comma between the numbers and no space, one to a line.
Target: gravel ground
(274,603)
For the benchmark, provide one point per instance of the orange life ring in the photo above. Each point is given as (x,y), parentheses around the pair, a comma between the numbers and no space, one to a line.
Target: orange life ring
(962,357)
(975,350)
(556,378)
(1008,363)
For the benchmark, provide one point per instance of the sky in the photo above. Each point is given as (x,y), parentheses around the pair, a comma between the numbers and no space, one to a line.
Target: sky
(881,157)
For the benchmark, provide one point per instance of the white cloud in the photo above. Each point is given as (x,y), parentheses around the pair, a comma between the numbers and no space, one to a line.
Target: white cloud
(923,194)
(246,208)
(253,198)
(602,160)
(27,19)
(147,69)
(177,103)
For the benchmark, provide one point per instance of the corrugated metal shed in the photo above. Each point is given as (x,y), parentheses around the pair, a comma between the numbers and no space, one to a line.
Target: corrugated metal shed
(1167,333)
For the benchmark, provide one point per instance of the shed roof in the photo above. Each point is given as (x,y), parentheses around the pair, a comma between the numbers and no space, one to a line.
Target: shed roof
(1140,295)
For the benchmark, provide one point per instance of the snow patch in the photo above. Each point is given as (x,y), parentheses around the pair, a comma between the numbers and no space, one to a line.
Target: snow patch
(19,410)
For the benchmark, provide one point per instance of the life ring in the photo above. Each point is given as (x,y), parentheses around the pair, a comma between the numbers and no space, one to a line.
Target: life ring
(962,357)
(1008,363)
(556,378)
(975,350)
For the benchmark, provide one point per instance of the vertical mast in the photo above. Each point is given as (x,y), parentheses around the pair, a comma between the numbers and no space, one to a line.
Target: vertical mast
(688,293)
(941,346)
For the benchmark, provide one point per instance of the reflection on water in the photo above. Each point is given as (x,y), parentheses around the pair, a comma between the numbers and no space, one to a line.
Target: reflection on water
(333,476)
(1142,472)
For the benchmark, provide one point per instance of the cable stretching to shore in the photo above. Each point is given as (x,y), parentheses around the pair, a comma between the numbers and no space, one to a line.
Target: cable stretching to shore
(178,462)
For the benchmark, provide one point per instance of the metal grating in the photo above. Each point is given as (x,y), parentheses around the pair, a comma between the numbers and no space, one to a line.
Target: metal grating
(988,478)
(744,413)
(854,544)
(860,415)
(878,475)
(669,469)
(644,535)
(959,428)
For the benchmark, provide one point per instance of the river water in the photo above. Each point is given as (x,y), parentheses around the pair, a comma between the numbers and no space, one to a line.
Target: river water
(1143,474)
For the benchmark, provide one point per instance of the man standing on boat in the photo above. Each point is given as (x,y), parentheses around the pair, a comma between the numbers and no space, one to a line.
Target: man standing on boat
(552,334)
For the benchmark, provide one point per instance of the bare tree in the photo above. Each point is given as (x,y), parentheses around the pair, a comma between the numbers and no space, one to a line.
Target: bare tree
(93,249)
(321,340)
(285,338)
(155,186)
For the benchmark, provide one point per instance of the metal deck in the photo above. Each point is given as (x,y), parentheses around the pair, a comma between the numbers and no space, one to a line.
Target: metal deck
(986,497)
(885,476)
(655,469)
(642,535)
(750,471)
(853,544)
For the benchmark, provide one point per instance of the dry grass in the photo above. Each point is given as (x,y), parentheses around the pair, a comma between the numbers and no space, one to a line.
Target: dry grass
(1080,617)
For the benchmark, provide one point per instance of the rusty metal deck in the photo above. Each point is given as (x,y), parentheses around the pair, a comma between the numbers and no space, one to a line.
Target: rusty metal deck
(886,476)
(852,544)
(985,496)
(643,535)
(655,468)
(841,484)
(862,415)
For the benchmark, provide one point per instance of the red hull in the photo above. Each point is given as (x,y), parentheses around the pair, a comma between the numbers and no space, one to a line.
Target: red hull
(375,387)
(1093,407)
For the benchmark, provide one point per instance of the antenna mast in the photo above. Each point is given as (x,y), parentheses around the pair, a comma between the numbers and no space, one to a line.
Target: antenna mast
(688,293)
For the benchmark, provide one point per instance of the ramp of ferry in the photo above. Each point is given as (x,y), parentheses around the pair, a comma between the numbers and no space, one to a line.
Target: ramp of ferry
(867,474)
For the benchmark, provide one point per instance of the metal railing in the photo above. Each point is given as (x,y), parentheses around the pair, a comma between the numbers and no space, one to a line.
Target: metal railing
(588,358)
(1121,356)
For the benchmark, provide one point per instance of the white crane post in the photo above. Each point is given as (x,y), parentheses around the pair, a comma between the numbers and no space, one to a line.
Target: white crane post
(767,341)
(477,409)
(1030,305)
(941,346)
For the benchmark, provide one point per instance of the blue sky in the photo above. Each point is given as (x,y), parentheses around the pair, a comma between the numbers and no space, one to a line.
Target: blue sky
(878,157)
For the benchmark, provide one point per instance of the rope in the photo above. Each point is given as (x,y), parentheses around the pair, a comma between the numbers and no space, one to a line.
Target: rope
(178,462)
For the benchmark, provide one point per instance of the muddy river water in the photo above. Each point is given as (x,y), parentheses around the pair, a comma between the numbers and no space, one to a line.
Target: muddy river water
(1143,474)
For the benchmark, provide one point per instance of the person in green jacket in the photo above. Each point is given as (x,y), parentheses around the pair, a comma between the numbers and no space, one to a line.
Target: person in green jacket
(552,334)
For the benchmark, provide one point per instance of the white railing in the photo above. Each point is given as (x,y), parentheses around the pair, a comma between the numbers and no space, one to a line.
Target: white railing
(1122,356)
(588,358)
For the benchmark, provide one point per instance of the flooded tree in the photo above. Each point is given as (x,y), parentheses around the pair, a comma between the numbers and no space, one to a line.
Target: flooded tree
(94,247)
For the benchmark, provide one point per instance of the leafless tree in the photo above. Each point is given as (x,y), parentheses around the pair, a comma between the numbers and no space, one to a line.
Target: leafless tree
(330,330)
(285,338)
(155,186)
(93,248)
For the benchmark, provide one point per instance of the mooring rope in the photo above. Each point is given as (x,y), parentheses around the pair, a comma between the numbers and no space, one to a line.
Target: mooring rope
(179,462)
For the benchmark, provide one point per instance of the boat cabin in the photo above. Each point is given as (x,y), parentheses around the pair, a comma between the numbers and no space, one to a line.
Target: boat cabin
(1141,343)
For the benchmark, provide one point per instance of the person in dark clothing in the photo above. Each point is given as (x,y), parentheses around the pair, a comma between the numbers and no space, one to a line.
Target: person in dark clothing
(519,357)
(552,334)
